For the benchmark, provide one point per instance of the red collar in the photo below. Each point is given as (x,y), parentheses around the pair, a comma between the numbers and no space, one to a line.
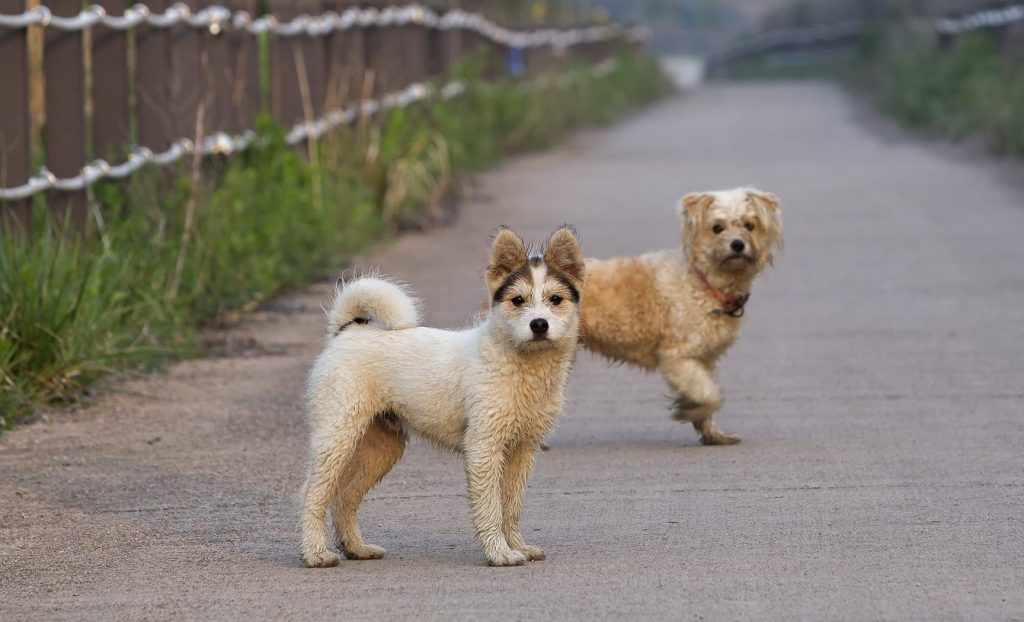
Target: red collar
(732,304)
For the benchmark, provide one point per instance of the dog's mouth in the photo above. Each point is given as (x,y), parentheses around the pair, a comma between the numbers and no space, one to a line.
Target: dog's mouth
(735,257)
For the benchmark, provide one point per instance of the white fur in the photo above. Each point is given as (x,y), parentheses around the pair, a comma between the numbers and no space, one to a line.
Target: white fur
(386,303)
(490,393)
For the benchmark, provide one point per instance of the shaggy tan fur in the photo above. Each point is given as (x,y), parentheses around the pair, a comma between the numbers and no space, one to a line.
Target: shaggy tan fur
(490,393)
(655,312)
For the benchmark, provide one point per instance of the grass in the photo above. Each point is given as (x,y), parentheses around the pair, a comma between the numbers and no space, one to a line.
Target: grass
(170,250)
(968,89)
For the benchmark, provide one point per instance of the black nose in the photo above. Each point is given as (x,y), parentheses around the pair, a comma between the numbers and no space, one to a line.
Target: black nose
(737,246)
(539,326)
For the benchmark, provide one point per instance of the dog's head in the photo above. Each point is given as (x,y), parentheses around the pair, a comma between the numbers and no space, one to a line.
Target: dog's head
(535,297)
(737,232)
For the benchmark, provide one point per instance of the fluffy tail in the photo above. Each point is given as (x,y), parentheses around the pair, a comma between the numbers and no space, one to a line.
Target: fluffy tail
(372,300)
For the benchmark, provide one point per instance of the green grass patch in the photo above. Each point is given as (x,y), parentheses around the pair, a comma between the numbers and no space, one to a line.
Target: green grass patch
(167,251)
(968,89)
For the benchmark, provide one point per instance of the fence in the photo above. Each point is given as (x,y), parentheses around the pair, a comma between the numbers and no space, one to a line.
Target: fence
(840,24)
(152,83)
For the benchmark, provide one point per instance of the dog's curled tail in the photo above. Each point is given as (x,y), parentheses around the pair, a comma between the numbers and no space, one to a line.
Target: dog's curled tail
(372,300)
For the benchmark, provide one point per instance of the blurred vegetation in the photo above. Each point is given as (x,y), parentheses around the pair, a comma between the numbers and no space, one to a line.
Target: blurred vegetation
(165,253)
(964,86)
(968,89)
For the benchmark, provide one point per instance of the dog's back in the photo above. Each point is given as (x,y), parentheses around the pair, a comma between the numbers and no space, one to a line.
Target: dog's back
(623,312)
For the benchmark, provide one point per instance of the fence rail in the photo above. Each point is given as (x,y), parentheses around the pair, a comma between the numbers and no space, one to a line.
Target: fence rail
(977,20)
(218,18)
(188,79)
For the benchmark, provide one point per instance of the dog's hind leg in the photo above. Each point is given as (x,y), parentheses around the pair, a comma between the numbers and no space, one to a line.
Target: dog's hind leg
(331,449)
(698,397)
(518,464)
(381,448)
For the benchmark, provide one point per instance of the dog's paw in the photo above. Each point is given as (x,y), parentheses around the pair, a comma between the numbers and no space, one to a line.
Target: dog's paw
(320,559)
(508,557)
(720,438)
(532,553)
(363,551)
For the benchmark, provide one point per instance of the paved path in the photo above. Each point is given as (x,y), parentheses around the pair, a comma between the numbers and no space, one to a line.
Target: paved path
(878,388)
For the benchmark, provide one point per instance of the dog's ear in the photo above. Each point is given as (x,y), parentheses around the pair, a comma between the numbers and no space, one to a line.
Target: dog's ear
(508,254)
(695,204)
(562,252)
(692,209)
(769,212)
(764,200)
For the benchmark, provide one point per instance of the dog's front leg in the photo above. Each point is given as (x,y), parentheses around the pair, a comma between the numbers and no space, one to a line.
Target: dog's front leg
(484,456)
(518,465)
(698,397)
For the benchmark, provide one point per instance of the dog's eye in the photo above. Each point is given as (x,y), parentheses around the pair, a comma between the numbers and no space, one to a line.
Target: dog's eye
(556,300)
(718,229)
(518,301)
(749,226)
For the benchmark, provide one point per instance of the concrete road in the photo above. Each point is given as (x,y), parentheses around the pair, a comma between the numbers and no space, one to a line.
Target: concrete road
(878,387)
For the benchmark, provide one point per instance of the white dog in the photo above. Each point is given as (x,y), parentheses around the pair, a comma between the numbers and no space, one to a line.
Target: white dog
(490,393)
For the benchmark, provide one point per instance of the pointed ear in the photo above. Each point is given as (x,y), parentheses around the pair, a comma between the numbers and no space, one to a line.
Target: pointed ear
(562,252)
(508,254)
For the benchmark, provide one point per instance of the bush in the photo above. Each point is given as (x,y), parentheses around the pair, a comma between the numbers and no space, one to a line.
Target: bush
(967,89)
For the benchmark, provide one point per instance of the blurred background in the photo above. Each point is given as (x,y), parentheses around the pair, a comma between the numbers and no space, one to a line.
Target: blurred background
(152,157)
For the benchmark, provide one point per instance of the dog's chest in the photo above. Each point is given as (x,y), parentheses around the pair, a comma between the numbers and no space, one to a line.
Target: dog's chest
(710,337)
(722,332)
(524,402)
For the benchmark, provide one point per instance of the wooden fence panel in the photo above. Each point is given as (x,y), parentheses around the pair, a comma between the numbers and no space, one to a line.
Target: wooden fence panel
(454,48)
(437,56)
(312,66)
(111,117)
(15,124)
(65,108)
(285,98)
(298,74)
(385,55)
(344,63)
(372,44)
(412,54)
(244,60)
(217,81)
(152,88)
(187,61)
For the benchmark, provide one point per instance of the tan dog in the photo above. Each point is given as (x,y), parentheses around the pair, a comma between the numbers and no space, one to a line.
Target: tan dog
(489,393)
(679,311)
